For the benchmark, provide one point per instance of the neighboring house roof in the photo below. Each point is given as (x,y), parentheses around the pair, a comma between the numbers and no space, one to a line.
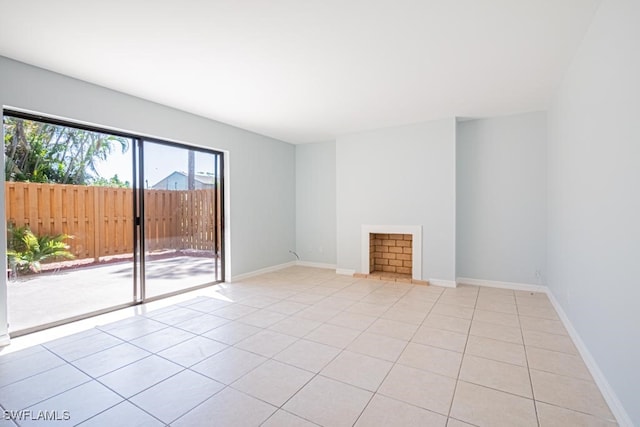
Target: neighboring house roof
(204,178)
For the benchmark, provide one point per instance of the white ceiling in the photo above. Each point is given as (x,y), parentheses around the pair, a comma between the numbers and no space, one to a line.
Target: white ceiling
(308,70)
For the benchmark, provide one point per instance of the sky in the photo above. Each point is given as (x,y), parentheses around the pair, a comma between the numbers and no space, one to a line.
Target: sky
(159,161)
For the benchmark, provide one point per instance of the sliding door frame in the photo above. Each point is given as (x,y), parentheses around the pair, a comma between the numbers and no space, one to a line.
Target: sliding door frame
(219,209)
(137,159)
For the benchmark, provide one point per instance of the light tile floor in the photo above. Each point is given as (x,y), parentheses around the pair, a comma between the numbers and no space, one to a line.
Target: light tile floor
(303,347)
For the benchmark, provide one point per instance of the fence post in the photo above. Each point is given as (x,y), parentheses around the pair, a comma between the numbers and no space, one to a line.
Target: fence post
(97,226)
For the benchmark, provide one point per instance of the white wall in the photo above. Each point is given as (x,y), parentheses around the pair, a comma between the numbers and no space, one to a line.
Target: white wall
(594,197)
(399,176)
(262,169)
(501,198)
(316,202)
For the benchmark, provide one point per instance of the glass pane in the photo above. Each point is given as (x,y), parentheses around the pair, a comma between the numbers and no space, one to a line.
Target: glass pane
(181,205)
(68,200)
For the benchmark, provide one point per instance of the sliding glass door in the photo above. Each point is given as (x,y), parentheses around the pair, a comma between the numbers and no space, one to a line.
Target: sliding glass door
(70,221)
(182,216)
(98,220)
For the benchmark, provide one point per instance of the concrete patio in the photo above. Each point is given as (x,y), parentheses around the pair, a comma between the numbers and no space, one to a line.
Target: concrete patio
(51,296)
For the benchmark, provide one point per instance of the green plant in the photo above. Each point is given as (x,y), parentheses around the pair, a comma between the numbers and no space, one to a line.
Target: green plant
(43,152)
(26,251)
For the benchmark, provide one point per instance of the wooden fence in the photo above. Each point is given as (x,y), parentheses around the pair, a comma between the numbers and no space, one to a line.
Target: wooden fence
(100,219)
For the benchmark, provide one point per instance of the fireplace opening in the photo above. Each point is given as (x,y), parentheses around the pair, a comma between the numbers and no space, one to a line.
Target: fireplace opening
(391,255)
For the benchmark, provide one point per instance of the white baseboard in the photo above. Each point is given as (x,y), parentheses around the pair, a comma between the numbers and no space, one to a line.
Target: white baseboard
(316,265)
(503,285)
(4,340)
(262,271)
(345,271)
(443,283)
(280,267)
(623,418)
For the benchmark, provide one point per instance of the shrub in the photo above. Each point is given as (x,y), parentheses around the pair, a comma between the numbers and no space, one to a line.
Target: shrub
(26,251)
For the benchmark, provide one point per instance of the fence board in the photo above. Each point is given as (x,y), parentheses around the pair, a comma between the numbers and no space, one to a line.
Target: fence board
(82,223)
(45,209)
(20,202)
(31,210)
(100,218)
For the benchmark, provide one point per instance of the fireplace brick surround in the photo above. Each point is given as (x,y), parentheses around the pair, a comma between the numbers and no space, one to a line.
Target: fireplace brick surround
(390,253)
(390,257)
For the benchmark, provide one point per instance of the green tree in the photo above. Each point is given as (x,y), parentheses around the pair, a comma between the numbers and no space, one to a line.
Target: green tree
(114,181)
(43,152)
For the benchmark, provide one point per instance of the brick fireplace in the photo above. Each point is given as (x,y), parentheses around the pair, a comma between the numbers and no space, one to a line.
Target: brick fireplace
(392,252)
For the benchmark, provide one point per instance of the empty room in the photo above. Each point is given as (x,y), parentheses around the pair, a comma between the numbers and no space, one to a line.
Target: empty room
(320,213)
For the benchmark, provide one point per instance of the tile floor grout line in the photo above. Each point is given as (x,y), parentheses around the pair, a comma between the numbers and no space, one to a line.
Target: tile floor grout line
(95,415)
(409,341)
(199,404)
(40,372)
(113,370)
(315,374)
(57,394)
(184,413)
(464,351)
(552,350)
(270,358)
(497,361)
(120,403)
(291,413)
(555,405)
(574,378)
(97,379)
(342,350)
(392,367)
(526,355)
(364,408)
(497,389)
